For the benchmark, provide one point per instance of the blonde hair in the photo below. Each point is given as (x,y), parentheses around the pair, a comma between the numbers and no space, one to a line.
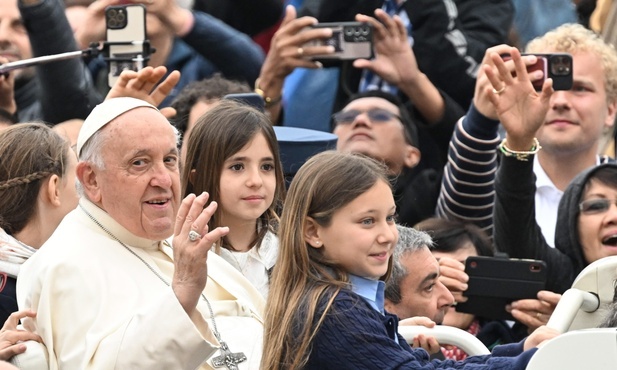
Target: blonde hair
(574,38)
(302,279)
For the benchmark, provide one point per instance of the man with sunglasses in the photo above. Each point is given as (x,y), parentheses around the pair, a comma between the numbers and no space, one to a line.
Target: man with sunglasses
(377,124)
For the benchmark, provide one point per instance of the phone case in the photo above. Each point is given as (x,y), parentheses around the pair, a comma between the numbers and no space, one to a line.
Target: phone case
(125,23)
(351,40)
(495,282)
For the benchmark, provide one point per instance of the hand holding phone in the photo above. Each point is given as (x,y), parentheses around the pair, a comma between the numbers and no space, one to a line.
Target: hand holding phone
(351,40)
(126,33)
(557,66)
(495,282)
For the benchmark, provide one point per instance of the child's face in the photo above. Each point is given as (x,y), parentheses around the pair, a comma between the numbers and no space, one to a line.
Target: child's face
(248,183)
(597,226)
(362,235)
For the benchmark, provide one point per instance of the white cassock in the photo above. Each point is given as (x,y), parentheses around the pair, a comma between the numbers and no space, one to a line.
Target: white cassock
(99,306)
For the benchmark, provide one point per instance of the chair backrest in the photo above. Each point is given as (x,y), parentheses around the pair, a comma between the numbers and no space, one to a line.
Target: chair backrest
(447,335)
(598,278)
(35,357)
(581,349)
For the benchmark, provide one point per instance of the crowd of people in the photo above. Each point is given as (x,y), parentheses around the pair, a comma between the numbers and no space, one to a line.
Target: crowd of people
(150,224)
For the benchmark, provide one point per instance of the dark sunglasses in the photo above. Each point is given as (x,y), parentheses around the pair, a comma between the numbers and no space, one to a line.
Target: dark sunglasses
(595,206)
(376,115)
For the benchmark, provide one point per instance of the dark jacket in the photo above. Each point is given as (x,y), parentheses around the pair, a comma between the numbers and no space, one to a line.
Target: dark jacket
(450,37)
(60,90)
(518,234)
(355,336)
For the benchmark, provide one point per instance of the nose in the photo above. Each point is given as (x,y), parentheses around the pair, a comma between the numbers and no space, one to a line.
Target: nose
(161,176)
(446,298)
(254,179)
(610,217)
(560,100)
(389,234)
(361,120)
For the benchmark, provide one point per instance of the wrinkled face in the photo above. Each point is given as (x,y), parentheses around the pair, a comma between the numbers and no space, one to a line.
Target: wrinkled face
(140,184)
(454,318)
(576,118)
(384,141)
(362,234)
(248,183)
(422,292)
(14,42)
(597,227)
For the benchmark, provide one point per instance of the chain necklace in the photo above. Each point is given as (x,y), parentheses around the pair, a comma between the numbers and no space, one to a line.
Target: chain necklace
(226,358)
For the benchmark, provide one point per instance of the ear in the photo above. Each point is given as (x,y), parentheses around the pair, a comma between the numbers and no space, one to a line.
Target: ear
(87,176)
(52,190)
(192,176)
(612,110)
(311,233)
(388,305)
(412,156)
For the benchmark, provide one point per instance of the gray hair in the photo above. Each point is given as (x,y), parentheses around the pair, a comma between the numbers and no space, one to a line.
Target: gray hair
(410,241)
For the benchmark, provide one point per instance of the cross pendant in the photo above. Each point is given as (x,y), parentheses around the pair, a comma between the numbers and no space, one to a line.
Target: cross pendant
(227,358)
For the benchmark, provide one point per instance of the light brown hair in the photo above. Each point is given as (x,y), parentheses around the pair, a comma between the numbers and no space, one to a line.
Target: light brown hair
(29,153)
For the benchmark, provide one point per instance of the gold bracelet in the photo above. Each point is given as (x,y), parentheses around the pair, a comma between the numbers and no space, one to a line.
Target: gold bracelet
(520,155)
(267,100)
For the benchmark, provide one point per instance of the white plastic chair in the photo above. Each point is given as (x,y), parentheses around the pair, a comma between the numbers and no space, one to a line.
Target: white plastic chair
(580,310)
(585,304)
(447,335)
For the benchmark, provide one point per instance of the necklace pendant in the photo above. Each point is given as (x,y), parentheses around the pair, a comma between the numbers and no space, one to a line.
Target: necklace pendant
(228,359)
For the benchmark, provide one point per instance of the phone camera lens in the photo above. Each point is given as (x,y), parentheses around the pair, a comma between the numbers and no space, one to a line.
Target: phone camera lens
(349,31)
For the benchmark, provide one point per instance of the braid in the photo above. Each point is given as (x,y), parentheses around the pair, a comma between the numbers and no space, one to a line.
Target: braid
(23,180)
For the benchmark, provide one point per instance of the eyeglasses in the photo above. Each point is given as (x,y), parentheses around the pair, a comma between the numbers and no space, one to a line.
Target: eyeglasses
(595,206)
(376,115)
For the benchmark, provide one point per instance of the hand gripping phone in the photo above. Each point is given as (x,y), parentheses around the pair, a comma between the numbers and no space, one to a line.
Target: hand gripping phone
(495,282)
(126,34)
(557,66)
(351,40)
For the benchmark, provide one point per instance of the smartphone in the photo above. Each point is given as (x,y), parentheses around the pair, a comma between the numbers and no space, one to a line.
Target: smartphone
(351,40)
(557,66)
(495,282)
(252,99)
(126,34)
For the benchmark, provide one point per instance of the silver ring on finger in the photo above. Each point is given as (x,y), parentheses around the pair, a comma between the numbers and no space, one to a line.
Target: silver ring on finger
(300,52)
(194,236)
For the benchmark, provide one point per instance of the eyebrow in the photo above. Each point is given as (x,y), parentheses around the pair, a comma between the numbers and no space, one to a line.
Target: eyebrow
(245,158)
(429,277)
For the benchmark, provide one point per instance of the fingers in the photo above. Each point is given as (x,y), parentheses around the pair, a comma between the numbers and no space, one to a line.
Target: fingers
(164,88)
(10,351)
(549,297)
(418,321)
(13,320)
(182,213)
(15,336)
(428,343)
(453,274)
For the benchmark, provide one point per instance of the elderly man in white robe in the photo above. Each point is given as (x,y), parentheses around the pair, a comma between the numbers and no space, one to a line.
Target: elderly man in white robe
(112,289)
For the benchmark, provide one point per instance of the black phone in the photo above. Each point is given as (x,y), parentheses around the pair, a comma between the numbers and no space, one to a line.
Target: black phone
(126,33)
(557,66)
(253,99)
(351,40)
(495,282)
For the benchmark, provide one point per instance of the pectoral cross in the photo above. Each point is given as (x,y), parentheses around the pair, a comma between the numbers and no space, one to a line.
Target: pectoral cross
(227,358)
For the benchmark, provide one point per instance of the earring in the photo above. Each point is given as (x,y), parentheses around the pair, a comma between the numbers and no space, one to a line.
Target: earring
(317,242)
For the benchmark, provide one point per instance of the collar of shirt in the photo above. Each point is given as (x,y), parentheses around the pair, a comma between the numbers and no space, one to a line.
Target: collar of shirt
(542,179)
(371,290)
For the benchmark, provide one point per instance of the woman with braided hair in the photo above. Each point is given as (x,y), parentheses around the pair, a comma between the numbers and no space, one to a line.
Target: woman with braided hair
(37,189)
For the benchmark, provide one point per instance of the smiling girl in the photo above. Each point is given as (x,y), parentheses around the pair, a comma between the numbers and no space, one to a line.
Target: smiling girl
(233,155)
(325,309)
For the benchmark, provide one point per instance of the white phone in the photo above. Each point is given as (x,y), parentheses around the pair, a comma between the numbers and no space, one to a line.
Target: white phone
(125,24)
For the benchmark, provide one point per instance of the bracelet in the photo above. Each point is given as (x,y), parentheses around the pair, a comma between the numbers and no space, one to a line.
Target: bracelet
(267,100)
(520,155)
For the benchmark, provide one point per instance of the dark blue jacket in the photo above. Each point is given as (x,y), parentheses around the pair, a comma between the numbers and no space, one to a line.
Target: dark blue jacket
(355,336)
